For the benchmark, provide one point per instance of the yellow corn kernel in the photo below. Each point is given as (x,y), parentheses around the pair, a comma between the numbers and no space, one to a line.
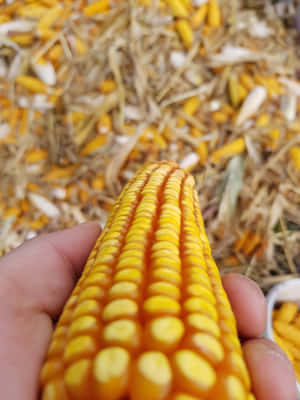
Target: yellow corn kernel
(4,18)
(196,132)
(11,8)
(191,105)
(32,11)
(263,120)
(220,117)
(253,240)
(32,187)
(98,182)
(49,3)
(160,141)
(76,116)
(275,86)
(260,80)
(274,135)
(36,155)
(202,49)
(243,93)
(97,7)
(229,150)
(234,92)
(178,8)
(184,30)
(247,81)
(108,86)
(39,223)
(188,4)
(145,3)
(24,205)
(49,18)
(14,116)
(104,124)
(296,321)
(149,318)
(287,331)
(24,39)
(93,145)
(202,151)
(295,156)
(59,173)
(32,84)
(24,122)
(47,34)
(282,344)
(240,242)
(287,312)
(55,53)
(293,350)
(180,122)
(12,211)
(214,14)
(199,16)
(80,46)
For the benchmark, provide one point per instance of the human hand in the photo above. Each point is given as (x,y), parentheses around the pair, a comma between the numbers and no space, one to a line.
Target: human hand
(36,280)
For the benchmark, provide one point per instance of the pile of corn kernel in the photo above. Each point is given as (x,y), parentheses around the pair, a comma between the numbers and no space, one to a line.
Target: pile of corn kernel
(286,325)
(91,90)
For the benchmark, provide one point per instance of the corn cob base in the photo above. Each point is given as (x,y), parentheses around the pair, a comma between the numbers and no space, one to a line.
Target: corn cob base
(149,318)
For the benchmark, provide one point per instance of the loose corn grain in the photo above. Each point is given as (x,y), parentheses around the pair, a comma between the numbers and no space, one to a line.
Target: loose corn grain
(199,16)
(185,32)
(214,14)
(229,150)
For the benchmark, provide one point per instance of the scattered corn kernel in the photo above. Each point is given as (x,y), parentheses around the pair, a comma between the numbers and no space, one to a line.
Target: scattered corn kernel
(185,32)
(36,155)
(263,120)
(234,92)
(93,145)
(178,8)
(108,86)
(220,117)
(32,84)
(295,156)
(214,14)
(25,39)
(59,173)
(98,182)
(49,18)
(202,151)
(229,150)
(104,125)
(199,16)
(191,105)
(97,7)
(247,81)
(55,53)
(287,312)
(243,93)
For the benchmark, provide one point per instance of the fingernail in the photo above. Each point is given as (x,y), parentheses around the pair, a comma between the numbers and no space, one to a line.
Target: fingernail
(253,284)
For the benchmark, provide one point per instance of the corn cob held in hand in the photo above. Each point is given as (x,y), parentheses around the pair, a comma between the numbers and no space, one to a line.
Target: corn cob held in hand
(149,318)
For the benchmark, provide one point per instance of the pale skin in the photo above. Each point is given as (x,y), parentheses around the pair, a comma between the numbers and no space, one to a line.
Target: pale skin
(36,280)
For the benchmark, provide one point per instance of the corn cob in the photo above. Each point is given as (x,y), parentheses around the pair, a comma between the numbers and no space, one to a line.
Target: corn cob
(149,318)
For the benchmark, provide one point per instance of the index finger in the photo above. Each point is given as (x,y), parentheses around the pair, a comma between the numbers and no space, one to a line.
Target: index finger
(248,304)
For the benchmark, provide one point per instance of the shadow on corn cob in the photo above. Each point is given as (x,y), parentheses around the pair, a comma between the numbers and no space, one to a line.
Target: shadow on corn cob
(149,318)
